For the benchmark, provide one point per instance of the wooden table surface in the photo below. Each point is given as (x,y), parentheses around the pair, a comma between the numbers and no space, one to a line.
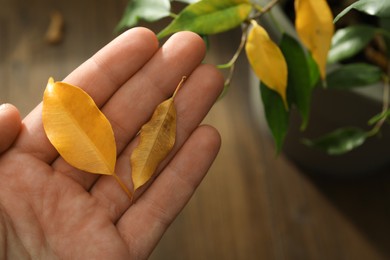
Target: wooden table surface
(252,205)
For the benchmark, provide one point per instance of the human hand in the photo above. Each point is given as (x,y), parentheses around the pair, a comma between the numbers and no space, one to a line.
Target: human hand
(49,210)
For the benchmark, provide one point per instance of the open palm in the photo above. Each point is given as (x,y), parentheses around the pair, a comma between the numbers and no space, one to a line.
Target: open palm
(50,210)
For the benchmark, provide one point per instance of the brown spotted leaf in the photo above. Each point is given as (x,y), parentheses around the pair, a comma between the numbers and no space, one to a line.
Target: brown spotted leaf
(157,138)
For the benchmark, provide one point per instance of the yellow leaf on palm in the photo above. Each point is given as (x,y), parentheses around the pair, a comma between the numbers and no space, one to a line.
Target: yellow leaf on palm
(267,60)
(77,128)
(314,25)
(157,138)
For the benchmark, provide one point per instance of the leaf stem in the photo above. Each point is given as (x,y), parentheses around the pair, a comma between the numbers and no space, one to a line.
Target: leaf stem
(231,64)
(173,15)
(233,60)
(386,104)
(123,186)
(179,85)
(227,82)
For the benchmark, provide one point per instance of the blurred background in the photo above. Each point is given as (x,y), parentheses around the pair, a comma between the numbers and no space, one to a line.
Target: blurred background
(253,204)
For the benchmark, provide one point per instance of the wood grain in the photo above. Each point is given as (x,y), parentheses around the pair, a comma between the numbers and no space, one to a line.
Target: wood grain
(253,204)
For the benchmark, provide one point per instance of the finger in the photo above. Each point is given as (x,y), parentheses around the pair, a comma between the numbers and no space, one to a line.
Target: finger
(192,103)
(145,222)
(132,105)
(100,77)
(178,57)
(10,124)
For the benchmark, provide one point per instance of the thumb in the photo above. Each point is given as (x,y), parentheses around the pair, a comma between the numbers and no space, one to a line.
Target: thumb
(10,124)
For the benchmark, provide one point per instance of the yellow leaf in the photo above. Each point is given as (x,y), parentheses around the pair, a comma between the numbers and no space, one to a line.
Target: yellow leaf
(157,138)
(77,128)
(267,60)
(314,24)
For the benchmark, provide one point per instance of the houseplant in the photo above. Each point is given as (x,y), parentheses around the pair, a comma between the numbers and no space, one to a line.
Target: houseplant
(290,69)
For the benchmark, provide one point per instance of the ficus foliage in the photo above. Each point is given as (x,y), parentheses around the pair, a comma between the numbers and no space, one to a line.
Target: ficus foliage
(288,70)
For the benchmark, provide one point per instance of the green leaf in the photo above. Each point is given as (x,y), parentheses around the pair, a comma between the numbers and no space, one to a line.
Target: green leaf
(209,17)
(313,69)
(349,41)
(299,83)
(380,8)
(340,141)
(276,114)
(148,10)
(354,75)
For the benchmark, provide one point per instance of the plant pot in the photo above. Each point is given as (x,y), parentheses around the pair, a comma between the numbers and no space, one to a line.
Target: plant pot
(330,110)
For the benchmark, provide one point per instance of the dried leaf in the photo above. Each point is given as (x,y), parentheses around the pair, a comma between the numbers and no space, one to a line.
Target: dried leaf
(314,24)
(78,129)
(267,60)
(157,138)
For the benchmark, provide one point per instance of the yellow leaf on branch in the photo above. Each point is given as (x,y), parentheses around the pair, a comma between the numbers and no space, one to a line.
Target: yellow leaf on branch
(267,60)
(78,130)
(157,138)
(314,25)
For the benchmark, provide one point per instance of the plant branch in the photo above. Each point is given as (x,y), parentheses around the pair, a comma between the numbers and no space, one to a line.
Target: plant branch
(385,107)
(231,64)
(238,51)
(270,5)
(264,10)
(245,30)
